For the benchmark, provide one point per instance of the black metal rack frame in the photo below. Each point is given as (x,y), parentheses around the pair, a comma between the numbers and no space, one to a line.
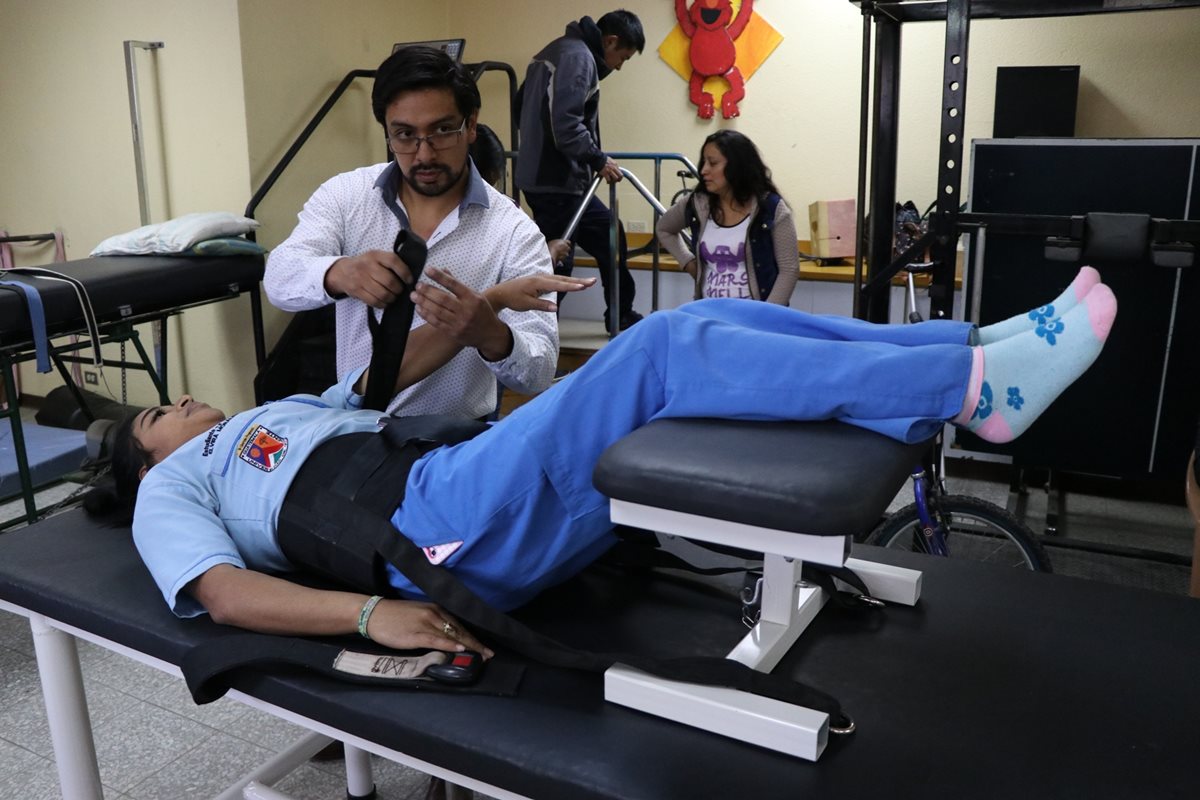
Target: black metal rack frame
(878,146)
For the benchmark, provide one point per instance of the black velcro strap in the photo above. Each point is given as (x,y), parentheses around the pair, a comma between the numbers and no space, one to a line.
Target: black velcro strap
(444,588)
(210,668)
(389,336)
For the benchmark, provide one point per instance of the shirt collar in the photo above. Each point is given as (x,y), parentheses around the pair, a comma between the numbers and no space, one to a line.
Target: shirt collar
(388,184)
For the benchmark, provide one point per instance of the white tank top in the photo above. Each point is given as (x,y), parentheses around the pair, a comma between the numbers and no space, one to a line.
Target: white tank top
(723,255)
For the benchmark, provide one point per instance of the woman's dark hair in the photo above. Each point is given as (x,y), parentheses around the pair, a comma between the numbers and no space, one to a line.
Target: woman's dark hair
(412,68)
(748,177)
(626,26)
(488,154)
(116,498)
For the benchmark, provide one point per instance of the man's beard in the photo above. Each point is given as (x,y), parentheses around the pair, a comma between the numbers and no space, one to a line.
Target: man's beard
(433,189)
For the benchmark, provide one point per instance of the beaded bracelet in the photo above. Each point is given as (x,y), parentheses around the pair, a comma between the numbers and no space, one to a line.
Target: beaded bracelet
(365,615)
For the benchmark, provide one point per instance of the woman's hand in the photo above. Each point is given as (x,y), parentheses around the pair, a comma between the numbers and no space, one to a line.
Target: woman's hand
(409,625)
(525,294)
(690,268)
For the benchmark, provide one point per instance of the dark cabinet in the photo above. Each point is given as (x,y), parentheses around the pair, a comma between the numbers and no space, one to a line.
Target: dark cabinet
(1134,413)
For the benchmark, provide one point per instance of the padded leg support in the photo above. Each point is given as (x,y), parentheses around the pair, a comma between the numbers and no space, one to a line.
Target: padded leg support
(66,711)
(788,605)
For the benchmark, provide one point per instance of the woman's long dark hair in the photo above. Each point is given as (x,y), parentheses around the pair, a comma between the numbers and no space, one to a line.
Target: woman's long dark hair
(748,177)
(115,499)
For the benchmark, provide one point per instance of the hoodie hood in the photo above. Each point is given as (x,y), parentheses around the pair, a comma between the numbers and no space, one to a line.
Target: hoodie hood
(587,30)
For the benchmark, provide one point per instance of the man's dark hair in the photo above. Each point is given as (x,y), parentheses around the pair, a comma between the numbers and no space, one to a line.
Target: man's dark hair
(412,68)
(625,26)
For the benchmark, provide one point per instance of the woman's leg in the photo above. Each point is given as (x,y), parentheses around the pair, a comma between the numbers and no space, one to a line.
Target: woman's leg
(514,509)
(780,319)
(519,502)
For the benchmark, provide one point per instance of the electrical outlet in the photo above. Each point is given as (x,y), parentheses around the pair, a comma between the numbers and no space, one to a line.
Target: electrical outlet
(90,378)
(637,226)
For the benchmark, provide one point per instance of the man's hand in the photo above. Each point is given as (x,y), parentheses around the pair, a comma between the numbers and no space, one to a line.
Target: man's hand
(525,294)
(611,171)
(559,250)
(376,277)
(463,315)
(409,625)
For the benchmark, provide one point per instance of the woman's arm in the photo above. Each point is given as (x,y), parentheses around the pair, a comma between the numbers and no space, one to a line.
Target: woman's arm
(266,604)
(670,226)
(787,255)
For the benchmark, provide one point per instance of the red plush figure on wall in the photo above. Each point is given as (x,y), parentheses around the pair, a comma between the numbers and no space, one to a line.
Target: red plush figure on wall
(712,51)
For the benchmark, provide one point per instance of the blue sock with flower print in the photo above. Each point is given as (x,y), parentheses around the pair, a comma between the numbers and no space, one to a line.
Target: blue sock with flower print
(1017,378)
(1083,283)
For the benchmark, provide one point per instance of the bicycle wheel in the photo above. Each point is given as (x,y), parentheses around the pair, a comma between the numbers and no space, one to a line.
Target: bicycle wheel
(975,529)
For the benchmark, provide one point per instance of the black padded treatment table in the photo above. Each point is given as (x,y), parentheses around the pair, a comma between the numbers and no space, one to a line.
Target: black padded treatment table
(996,683)
(122,291)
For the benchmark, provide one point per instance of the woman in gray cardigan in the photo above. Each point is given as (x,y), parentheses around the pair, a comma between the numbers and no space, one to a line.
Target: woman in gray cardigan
(743,234)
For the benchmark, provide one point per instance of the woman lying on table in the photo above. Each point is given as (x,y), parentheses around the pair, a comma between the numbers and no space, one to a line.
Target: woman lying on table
(513,510)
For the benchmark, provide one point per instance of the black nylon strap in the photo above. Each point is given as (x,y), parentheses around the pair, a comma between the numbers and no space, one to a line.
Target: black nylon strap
(390,335)
(441,586)
(209,668)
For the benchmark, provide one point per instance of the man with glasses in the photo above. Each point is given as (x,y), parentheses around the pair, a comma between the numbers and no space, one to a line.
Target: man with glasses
(559,107)
(341,250)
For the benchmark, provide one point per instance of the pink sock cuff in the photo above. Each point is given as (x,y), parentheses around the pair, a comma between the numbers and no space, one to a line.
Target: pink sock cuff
(974,388)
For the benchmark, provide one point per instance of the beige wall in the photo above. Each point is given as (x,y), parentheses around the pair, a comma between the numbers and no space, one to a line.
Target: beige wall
(68,160)
(295,53)
(238,80)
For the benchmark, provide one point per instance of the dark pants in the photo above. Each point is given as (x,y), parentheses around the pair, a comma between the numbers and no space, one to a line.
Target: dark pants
(552,212)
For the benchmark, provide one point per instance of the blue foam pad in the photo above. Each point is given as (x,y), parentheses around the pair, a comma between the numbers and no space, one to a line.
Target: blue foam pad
(52,453)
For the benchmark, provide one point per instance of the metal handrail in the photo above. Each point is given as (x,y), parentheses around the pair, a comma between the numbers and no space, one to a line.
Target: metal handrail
(283,162)
(652,198)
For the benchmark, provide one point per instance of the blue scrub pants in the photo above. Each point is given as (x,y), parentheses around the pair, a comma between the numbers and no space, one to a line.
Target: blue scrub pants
(520,499)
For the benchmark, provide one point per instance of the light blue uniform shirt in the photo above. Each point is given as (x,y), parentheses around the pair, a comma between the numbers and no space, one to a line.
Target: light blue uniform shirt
(216,499)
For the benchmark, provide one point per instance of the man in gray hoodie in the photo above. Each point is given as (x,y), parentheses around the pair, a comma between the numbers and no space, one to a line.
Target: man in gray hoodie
(559,109)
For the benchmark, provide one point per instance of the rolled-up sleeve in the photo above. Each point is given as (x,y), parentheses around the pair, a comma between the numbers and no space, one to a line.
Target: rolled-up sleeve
(529,368)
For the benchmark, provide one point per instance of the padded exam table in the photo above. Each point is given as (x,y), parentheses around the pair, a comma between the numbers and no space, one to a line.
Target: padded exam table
(123,291)
(997,683)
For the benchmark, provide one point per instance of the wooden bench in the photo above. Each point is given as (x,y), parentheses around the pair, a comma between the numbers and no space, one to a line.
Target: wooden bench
(842,272)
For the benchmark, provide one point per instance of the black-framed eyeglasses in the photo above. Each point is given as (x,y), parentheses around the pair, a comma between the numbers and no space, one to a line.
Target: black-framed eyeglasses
(406,144)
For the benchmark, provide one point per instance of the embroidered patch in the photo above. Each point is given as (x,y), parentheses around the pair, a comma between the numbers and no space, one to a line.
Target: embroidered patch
(262,449)
(440,552)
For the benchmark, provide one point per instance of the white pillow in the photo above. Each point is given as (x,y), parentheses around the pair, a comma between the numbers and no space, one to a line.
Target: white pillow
(176,235)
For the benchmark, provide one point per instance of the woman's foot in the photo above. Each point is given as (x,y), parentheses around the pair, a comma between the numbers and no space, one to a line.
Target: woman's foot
(1083,283)
(1015,379)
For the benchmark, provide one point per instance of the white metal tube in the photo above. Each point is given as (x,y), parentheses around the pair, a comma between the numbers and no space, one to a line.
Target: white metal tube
(359,780)
(279,765)
(66,711)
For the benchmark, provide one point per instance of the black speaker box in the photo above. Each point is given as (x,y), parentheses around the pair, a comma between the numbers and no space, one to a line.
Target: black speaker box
(1035,101)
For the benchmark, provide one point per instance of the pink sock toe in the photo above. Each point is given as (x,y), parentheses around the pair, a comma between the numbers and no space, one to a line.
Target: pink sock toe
(1084,281)
(1102,310)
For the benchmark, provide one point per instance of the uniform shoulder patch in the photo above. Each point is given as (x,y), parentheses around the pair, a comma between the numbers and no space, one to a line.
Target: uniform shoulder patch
(262,449)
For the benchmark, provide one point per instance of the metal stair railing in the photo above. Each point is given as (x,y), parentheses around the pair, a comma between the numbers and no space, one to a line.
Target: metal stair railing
(652,247)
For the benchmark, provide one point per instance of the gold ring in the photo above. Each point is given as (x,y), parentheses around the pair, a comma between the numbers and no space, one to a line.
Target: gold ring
(448,630)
